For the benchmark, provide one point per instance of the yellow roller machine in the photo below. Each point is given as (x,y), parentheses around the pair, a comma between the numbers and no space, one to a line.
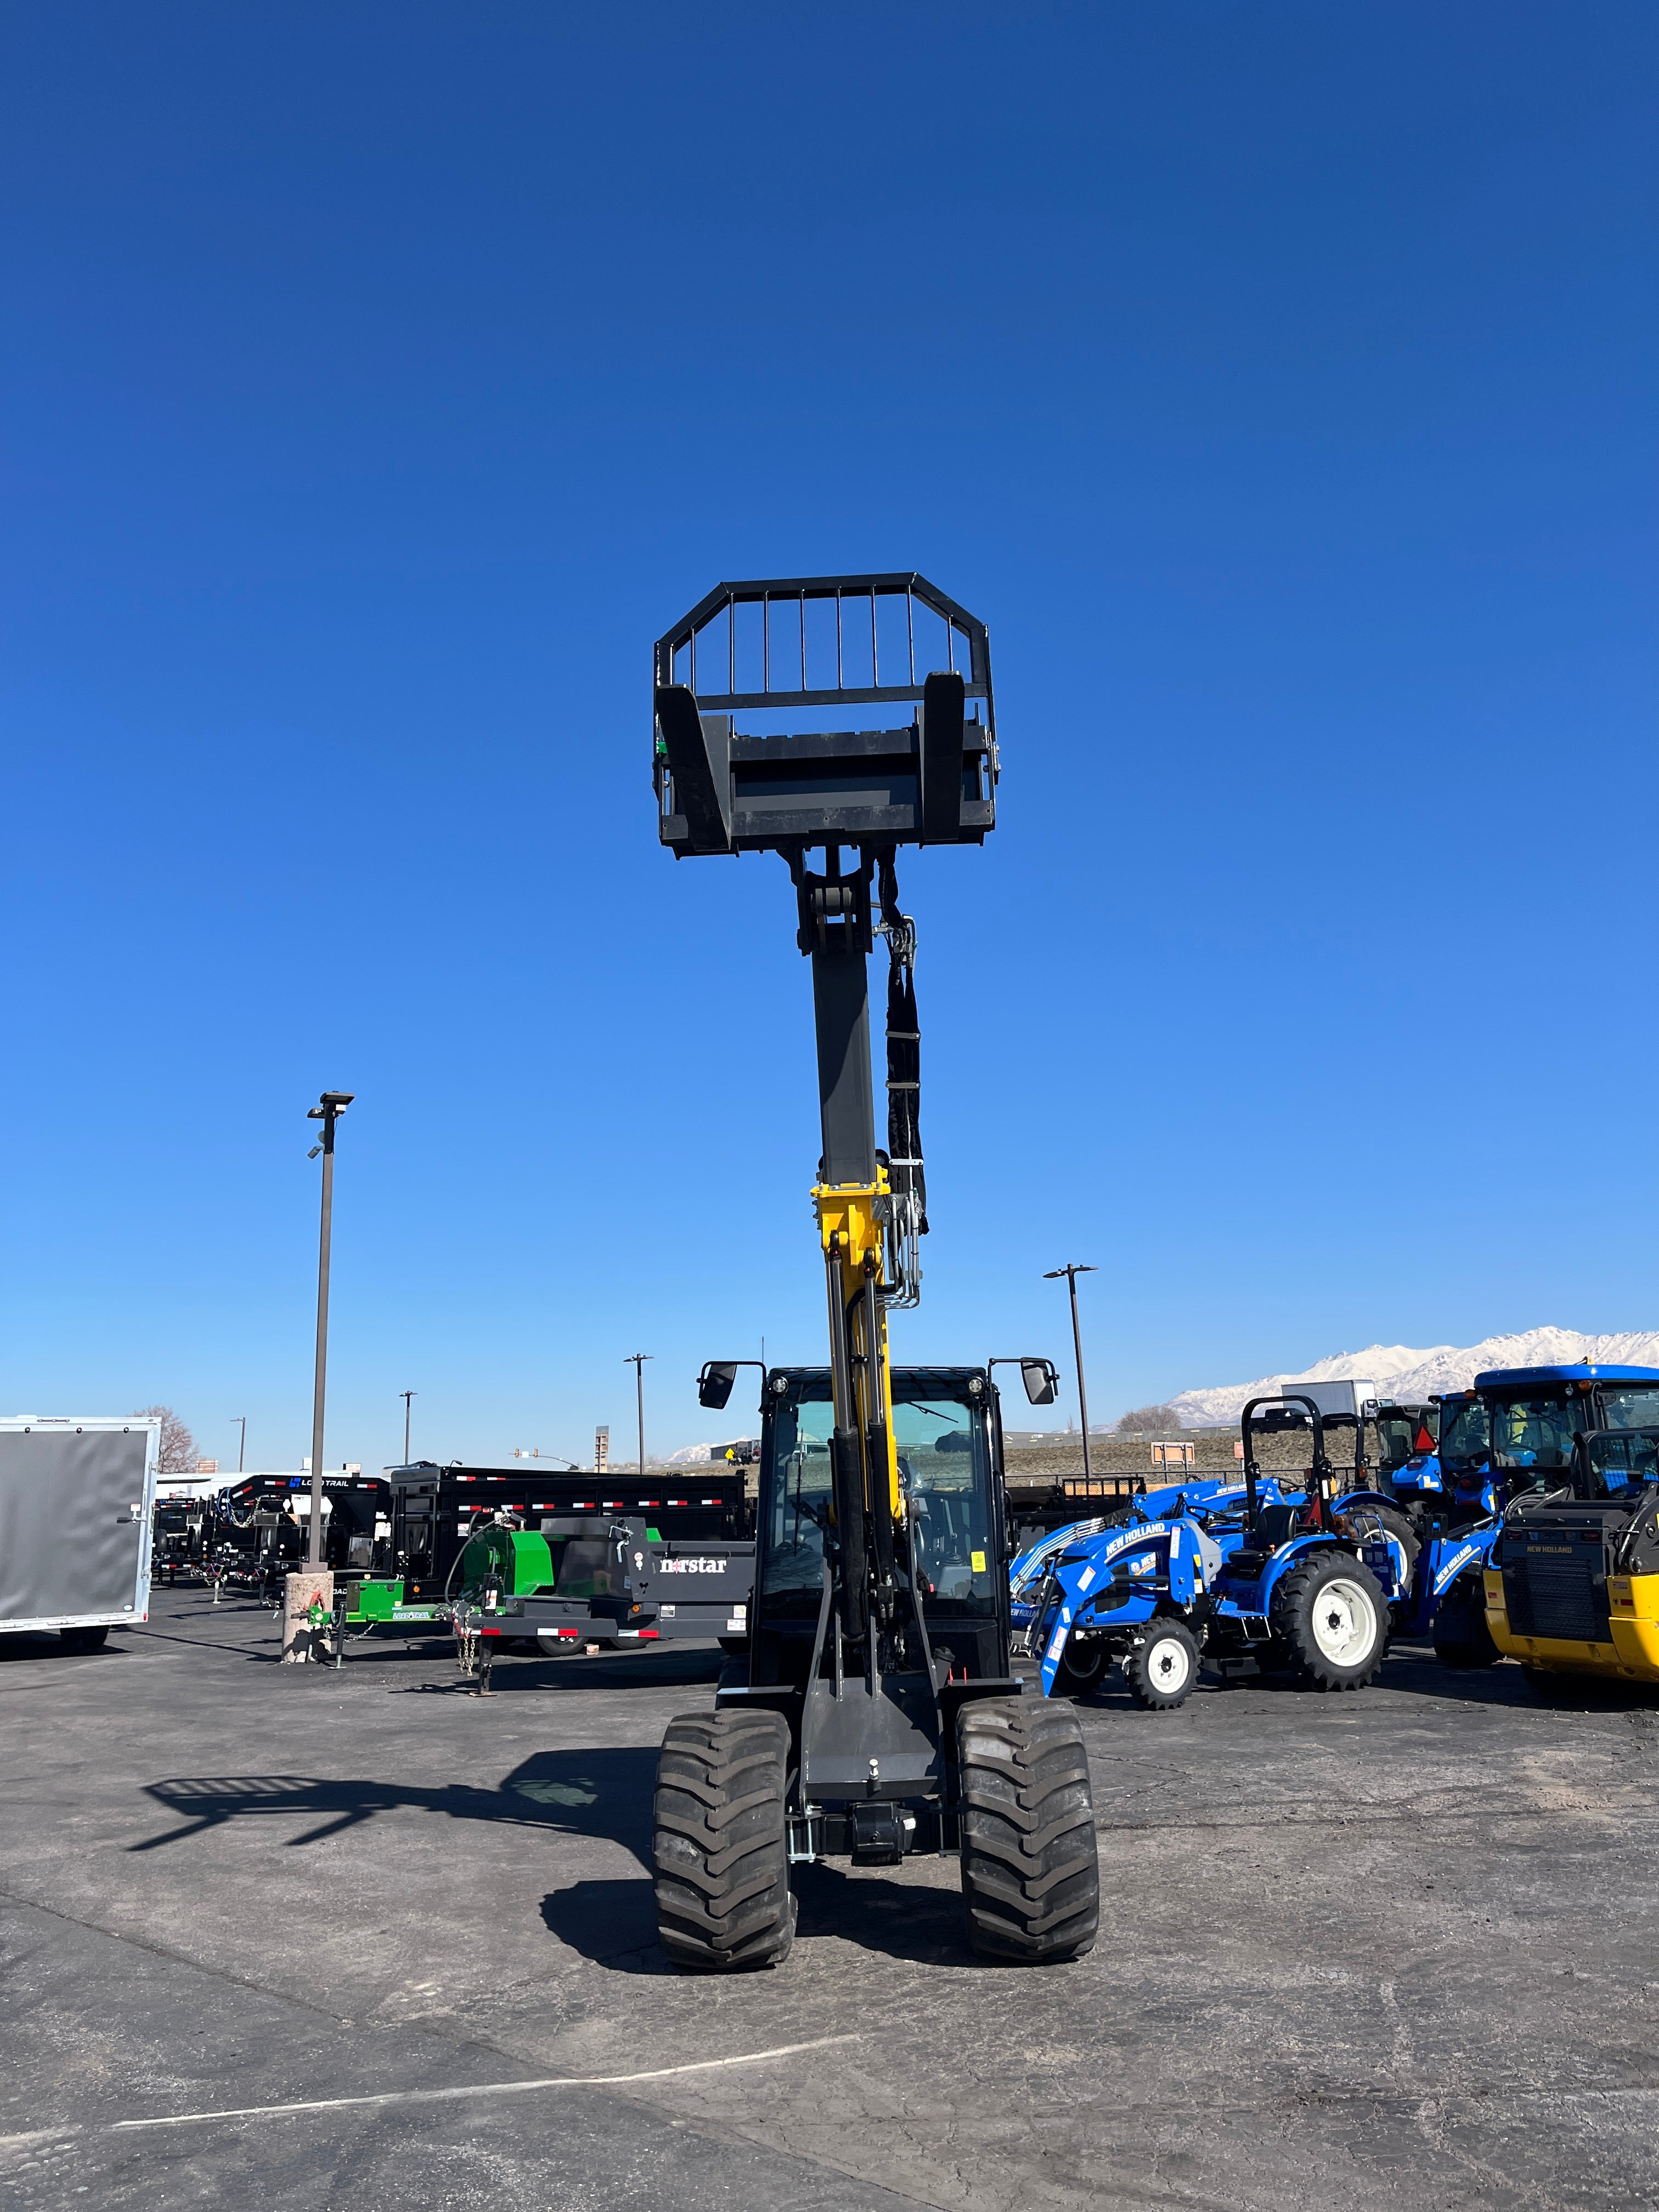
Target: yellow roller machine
(1572,1583)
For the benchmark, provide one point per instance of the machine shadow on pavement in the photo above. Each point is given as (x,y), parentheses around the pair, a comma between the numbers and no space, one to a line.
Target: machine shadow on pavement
(911,1920)
(603,1794)
(611,1923)
(695,1667)
(26,1644)
(614,1925)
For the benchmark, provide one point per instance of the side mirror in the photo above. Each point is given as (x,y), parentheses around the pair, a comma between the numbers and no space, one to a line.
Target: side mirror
(714,1383)
(1041,1383)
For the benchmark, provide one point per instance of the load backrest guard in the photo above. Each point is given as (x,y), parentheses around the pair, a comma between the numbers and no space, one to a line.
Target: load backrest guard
(788,647)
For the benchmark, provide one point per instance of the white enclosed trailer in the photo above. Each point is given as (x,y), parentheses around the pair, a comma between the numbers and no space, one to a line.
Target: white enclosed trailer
(76,1520)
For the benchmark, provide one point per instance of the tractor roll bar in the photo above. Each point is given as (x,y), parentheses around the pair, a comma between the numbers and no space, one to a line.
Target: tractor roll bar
(1321,1464)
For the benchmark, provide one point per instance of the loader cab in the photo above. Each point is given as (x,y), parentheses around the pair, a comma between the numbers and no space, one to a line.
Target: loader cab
(949,1479)
(1535,1413)
(1403,1433)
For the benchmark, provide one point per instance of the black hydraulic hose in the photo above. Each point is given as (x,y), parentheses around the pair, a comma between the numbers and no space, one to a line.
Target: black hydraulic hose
(1647,1511)
(906,1171)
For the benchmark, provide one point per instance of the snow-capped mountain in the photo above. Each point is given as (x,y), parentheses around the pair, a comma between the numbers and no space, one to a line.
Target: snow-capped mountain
(1412,1375)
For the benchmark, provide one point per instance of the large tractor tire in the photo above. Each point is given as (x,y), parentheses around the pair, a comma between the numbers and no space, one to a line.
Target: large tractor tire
(720,1846)
(1462,1637)
(1030,1873)
(1330,1621)
(1162,1667)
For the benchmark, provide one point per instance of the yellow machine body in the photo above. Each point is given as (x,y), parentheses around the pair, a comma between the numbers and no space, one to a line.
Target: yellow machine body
(1633,1619)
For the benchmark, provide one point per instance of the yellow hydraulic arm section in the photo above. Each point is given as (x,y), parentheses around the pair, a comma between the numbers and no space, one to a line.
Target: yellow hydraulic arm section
(852,1220)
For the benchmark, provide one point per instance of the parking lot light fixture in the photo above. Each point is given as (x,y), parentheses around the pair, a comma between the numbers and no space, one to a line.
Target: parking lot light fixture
(1072,1271)
(328,1111)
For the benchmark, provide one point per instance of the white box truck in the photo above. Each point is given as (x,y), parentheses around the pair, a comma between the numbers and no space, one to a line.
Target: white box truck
(76,1500)
(1335,1401)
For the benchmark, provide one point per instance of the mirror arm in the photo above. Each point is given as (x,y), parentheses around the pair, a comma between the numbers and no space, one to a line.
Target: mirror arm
(710,1366)
(1025,1362)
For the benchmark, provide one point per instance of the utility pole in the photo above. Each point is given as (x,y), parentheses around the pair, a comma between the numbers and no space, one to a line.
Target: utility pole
(241,1448)
(1070,1272)
(406,1395)
(328,1111)
(636,1360)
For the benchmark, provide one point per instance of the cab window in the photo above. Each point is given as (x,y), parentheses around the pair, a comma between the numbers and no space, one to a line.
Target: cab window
(1535,1432)
(944,1475)
(1631,1407)
(1614,1465)
(795,1492)
(1464,1441)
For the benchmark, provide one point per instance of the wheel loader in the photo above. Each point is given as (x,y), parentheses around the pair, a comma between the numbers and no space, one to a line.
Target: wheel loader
(875,1716)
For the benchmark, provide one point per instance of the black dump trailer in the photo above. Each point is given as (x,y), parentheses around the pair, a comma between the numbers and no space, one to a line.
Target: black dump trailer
(535,1557)
(257,1534)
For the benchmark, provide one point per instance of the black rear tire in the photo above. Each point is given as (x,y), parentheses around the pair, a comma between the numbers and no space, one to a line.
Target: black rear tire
(1330,1621)
(720,1846)
(1462,1637)
(1163,1667)
(1398,1523)
(1081,1666)
(1031,1872)
(83,1639)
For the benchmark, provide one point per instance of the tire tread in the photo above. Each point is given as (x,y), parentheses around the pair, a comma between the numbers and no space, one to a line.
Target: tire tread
(1031,1872)
(719,1844)
(1304,1659)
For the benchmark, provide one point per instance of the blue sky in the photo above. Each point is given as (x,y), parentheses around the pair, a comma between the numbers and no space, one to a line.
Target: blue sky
(1276,380)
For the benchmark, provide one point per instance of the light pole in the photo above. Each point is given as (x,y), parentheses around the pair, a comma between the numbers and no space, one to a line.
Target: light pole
(328,1111)
(1072,1271)
(241,1445)
(406,1395)
(636,1360)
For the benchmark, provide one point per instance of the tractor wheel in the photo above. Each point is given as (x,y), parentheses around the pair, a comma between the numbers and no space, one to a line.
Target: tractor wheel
(1462,1637)
(1330,1619)
(1081,1666)
(1030,1874)
(1162,1669)
(720,1843)
(83,1639)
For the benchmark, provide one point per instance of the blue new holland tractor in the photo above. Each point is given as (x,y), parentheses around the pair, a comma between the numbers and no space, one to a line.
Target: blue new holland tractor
(1241,1576)
(1132,1587)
